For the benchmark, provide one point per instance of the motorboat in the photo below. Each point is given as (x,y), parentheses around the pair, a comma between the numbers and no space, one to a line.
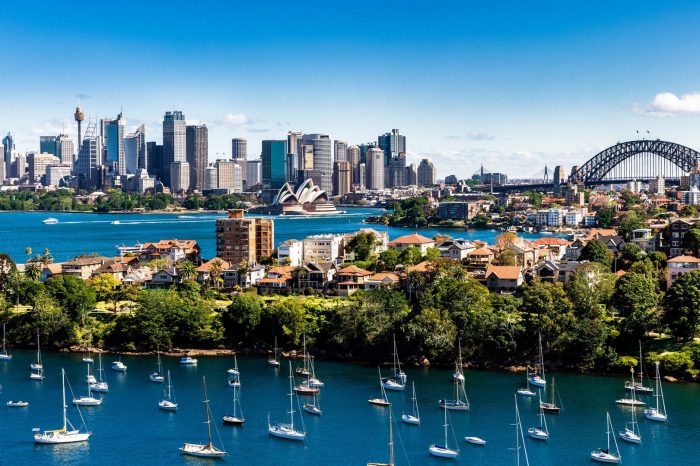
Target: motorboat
(118,366)
(17,404)
(475,441)
(50,221)
(188,361)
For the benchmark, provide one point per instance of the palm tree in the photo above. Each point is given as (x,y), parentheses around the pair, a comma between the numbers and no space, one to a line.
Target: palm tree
(215,271)
(32,271)
(187,271)
(243,271)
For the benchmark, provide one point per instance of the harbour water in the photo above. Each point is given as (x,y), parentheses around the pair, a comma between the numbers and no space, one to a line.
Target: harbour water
(78,233)
(129,429)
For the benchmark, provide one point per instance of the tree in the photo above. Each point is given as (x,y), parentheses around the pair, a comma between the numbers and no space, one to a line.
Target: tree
(589,288)
(504,240)
(597,251)
(362,245)
(390,259)
(691,240)
(410,256)
(636,298)
(431,254)
(241,317)
(631,222)
(187,270)
(431,333)
(682,306)
(73,295)
(632,253)
(506,257)
(546,308)
(605,217)
(104,286)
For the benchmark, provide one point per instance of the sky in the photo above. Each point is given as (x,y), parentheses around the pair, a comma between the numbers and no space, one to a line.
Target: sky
(511,85)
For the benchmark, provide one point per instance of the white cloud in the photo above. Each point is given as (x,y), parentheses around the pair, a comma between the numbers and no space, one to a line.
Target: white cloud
(669,104)
(236,120)
(472,136)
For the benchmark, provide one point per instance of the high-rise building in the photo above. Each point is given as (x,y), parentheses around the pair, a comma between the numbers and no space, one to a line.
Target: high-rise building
(342,178)
(56,172)
(392,144)
(375,168)
(559,179)
(8,148)
(657,185)
(411,175)
(112,132)
(174,142)
(229,175)
(197,150)
(211,178)
(179,177)
(254,173)
(66,150)
(241,239)
(323,160)
(426,173)
(87,167)
(340,151)
(38,163)
(135,157)
(353,155)
(48,145)
(274,164)
(144,182)
(396,171)
(154,160)
(239,153)
(294,146)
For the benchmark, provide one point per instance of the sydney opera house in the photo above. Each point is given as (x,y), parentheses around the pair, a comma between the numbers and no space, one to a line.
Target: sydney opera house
(308,199)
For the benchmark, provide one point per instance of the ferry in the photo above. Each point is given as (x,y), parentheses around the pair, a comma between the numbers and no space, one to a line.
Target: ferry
(50,221)
(132,250)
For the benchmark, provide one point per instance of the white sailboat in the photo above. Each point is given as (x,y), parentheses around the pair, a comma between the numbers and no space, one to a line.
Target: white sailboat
(37,367)
(90,378)
(632,401)
(639,387)
(88,359)
(551,406)
(631,433)
(312,381)
(4,356)
(287,431)
(207,450)
(274,362)
(234,375)
(157,375)
(383,401)
(304,370)
(443,451)
(313,407)
(88,400)
(118,365)
(168,403)
(391,444)
(526,390)
(235,419)
(604,455)
(519,436)
(100,385)
(398,380)
(414,416)
(62,435)
(457,404)
(658,413)
(459,365)
(538,379)
(540,432)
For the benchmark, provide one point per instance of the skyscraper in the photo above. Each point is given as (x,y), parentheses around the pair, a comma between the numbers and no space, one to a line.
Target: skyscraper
(411,175)
(323,160)
(229,175)
(342,178)
(396,171)
(426,173)
(135,157)
(246,240)
(294,146)
(87,167)
(8,147)
(179,177)
(392,144)
(197,137)
(154,160)
(274,163)
(353,154)
(112,132)
(174,142)
(340,151)
(239,153)
(66,150)
(253,175)
(48,145)
(375,168)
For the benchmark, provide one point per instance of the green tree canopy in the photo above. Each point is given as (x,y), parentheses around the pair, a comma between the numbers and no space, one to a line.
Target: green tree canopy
(597,251)
(682,306)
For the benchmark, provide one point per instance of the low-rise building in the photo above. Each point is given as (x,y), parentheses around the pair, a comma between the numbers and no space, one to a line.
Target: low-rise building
(503,278)
(323,248)
(235,275)
(480,258)
(673,236)
(163,279)
(680,265)
(556,247)
(644,238)
(290,252)
(414,240)
(83,266)
(350,279)
(173,250)
(204,271)
(387,279)
(554,271)
(455,249)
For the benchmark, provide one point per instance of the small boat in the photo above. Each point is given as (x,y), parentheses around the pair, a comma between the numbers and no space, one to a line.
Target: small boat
(475,441)
(37,366)
(118,366)
(539,432)
(88,359)
(116,222)
(414,417)
(273,361)
(304,370)
(188,361)
(62,435)
(398,381)
(443,451)
(17,404)
(538,378)
(383,401)
(391,444)
(4,355)
(235,419)
(313,407)
(519,436)
(639,387)
(658,413)
(88,400)
(287,431)
(631,433)
(157,375)
(90,379)
(526,390)
(50,221)
(551,407)
(312,380)
(234,371)
(457,404)
(168,403)
(100,386)
(207,450)
(604,455)
(459,365)
(234,375)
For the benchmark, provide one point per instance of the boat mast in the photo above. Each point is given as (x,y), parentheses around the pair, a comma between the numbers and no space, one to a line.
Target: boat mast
(291,392)
(553,388)
(3,339)
(275,349)
(63,384)
(445,426)
(206,408)
(541,357)
(641,367)
(391,440)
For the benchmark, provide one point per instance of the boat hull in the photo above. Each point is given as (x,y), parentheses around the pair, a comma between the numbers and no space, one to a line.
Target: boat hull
(653,415)
(286,433)
(312,409)
(273,363)
(537,382)
(100,387)
(60,438)
(550,408)
(5,357)
(408,419)
(205,451)
(17,404)
(537,433)
(393,385)
(631,437)
(167,405)
(232,420)
(603,457)
(442,452)
(526,392)
(379,402)
(454,405)
(87,401)
(630,402)
(475,440)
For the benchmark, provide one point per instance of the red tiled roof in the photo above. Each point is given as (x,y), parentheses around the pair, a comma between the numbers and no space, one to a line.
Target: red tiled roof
(480,252)
(353,270)
(381,276)
(414,238)
(507,272)
(550,242)
(206,267)
(684,259)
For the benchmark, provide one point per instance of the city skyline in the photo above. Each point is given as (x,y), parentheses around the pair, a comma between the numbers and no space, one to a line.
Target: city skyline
(511,87)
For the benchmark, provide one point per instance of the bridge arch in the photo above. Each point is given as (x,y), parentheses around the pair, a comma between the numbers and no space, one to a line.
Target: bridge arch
(604,162)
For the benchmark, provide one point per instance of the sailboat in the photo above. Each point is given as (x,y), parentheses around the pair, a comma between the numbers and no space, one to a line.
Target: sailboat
(305,369)
(414,416)
(541,432)
(234,371)
(551,407)
(157,375)
(100,385)
(37,367)
(90,378)
(207,450)
(4,356)
(168,403)
(235,419)
(313,407)
(234,375)
(526,390)
(312,380)
(631,433)
(443,451)
(383,401)
(457,404)
(287,431)
(88,359)
(398,380)
(604,455)
(639,387)
(305,388)
(62,435)
(391,444)
(274,361)
(459,366)
(538,378)
(118,365)
(659,413)
(633,401)
(519,437)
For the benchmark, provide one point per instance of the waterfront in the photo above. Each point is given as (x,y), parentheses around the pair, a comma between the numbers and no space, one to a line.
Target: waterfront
(78,233)
(129,429)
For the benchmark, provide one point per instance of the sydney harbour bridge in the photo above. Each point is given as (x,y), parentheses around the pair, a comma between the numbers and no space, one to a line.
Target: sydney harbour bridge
(640,160)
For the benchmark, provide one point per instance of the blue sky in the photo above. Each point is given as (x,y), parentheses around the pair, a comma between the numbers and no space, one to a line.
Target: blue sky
(512,85)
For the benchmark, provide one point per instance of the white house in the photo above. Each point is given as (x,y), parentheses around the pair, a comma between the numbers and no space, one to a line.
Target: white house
(292,250)
(323,248)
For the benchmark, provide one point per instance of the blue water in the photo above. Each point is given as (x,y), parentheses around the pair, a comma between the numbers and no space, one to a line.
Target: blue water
(129,429)
(79,233)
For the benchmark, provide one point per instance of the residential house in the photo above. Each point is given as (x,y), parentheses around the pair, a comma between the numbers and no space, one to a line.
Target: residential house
(672,237)
(503,278)
(381,245)
(138,277)
(234,275)
(204,271)
(83,266)
(644,238)
(277,278)
(404,242)
(317,275)
(290,252)
(51,270)
(679,265)
(524,252)
(323,248)
(480,258)
(114,267)
(551,247)
(555,272)
(163,279)
(386,279)
(574,249)
(615,244)
(456,249)
(173,250)
(350,279)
